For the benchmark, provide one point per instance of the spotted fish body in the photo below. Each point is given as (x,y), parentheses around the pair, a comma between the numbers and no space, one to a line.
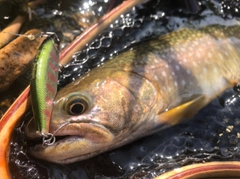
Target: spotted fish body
(155,85)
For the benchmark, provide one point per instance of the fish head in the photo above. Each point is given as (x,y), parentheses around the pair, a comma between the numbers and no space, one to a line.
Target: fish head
(89,117)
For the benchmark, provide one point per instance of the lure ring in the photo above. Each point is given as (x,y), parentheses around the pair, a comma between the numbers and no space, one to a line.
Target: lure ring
(48,139)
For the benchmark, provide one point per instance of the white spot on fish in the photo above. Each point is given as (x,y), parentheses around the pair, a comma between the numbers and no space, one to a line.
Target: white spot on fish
(156,77)
(175,83)
(183,82)
(206,61)
(167,66)
(209,54)
(221,57)
(171,50)
(191,49)
(226,53)
(195,42)
(169,88)
(172,56)
(215,70)
(205,70)
(184,60)
(163,56)
(198,55)
(164,73)
(230,47)
(183,50)
(177,67)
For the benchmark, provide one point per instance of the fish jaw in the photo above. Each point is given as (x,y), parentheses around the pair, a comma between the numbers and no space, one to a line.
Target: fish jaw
(82,141)
(93,140)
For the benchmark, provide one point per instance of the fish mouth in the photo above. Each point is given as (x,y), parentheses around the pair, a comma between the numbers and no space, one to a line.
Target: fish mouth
(75,142)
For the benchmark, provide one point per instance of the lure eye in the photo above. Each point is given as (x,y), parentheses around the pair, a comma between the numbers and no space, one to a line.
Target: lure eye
(76,106)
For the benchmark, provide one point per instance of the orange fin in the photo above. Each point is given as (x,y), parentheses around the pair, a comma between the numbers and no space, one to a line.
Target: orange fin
(185,110)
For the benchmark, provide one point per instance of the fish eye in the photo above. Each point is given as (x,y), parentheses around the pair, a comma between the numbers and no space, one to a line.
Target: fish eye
(76,105)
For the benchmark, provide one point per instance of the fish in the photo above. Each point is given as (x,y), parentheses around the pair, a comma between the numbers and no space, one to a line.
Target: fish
(152,86)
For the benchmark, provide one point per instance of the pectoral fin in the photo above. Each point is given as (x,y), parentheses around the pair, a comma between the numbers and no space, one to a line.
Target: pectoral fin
(185,110)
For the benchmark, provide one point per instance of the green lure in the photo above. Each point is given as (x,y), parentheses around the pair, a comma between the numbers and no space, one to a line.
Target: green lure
(43,85)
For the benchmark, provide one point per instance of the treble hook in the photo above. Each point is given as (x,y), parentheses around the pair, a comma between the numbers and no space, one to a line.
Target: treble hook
(49,138)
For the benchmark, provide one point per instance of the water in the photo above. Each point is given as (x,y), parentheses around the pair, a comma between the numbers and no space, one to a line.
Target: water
(216,137)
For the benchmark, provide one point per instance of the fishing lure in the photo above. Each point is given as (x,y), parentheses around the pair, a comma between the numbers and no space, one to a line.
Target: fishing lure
(43,84)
